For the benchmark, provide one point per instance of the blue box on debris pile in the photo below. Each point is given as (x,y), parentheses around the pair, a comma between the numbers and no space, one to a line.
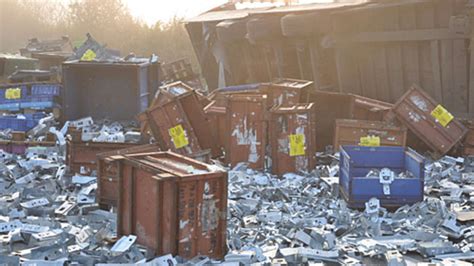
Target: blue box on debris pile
(390,183)
(46,89)
(20,124)
(39,102)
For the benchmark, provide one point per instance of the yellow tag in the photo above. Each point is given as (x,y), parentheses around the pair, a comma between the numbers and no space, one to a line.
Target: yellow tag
(89,55)
(442,115)
(297,145)
(179,138)
(13,93)
(370,141)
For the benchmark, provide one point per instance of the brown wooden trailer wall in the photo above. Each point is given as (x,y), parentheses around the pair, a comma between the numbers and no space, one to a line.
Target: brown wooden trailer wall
(384,48)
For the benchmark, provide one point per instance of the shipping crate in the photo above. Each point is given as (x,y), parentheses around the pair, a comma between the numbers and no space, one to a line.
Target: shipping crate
(173,204)
(468,144)
(107,173)
(83,154)
(368,133)
(293,139)
(356,188)
(286,92)
(430,121)
(247,125)
(179,124)
(217,116)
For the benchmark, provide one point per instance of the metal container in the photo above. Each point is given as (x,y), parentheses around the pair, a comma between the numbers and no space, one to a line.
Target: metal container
(81,157)
(117,91)
(368,133)
(468,144)
(293,139)
(172,128)
(329,107)
(247,135)
(369,109)
(173,204)
(433,124)
(191,104)
(286,92)
(392,190)
(107,173)
(217,116)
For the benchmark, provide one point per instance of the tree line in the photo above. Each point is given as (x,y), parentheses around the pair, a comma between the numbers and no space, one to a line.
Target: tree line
(109,22)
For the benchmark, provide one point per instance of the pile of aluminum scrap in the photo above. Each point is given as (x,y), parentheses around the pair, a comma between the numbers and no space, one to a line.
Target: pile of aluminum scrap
(105,130)
(296,219)
(46,215)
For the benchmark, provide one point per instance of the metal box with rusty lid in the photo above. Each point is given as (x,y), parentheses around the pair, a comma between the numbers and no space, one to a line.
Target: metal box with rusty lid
(430,121)
(173,204)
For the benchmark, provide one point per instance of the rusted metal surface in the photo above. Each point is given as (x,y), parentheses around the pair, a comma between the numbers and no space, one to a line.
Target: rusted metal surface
(286,92)
(415,111)
(247,136)
(83,155)
(107,173)
(468,144)
(217,116)
(173,204)
(369,109)
(350,132)
(329,107)
(180,107)
(293,138)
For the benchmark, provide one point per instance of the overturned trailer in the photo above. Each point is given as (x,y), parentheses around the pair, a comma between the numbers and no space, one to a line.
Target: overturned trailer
(377,49)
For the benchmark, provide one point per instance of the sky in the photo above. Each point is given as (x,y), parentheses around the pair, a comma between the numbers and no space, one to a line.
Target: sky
(150,11)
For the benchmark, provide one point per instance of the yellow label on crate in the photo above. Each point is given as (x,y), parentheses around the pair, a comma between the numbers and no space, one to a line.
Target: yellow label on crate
(89,55)
(370,141)
(442,115)
(179,137)
(13,93)
(297,145)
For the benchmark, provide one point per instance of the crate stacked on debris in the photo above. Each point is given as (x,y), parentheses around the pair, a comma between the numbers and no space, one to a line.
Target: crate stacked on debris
(20,122)
(177,121)
(30,96)
(85,143)
(173,204)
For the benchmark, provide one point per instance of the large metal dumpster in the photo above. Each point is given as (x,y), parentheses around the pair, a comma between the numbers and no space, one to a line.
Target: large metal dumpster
(118,91)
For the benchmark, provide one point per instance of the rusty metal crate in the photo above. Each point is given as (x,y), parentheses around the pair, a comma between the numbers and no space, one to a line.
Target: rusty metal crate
(286,92)
(293,138)
(416,111)
(173,204)
(181,108)
(351,132)
(247,130)
(107,173)
(217,116)
(468,144)
(369,109)
(83,154)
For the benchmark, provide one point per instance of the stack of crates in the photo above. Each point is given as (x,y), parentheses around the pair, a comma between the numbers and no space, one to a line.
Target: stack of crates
(20,122)
(38,96)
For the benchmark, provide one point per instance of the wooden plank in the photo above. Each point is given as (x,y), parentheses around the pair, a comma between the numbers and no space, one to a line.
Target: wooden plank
(401,36)
(409,50)
(460,77)
(425,20)
(394,56)
(436,68)
(315,57)
(471,72)
(445,9)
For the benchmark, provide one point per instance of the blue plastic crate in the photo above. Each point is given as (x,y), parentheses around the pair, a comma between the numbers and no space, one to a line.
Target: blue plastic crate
(45,89)
(3,100)
(39,102)
(13,123)
(356,162)
(10,106)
